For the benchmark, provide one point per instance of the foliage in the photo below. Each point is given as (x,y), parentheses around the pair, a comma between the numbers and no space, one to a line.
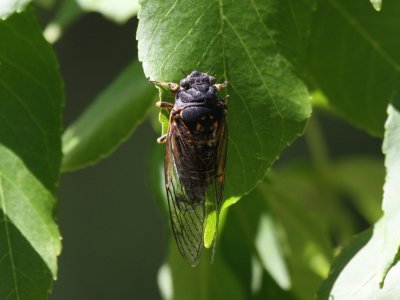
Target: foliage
(284,238)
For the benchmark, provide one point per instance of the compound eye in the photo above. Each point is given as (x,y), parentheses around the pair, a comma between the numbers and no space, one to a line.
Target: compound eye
(184,83)
(212,80)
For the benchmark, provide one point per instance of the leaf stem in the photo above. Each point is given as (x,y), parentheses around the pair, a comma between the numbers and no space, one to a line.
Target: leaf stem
(316,142)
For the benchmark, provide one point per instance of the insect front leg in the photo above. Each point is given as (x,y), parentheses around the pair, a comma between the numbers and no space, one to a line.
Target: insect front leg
(172,85)
(162,139)
(220,86)
(167,105)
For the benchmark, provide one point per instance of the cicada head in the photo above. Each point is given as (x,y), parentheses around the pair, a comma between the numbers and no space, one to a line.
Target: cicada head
(196,79)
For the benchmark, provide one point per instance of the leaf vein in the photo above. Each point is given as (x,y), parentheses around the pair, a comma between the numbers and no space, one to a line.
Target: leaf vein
(183,38)
(367,37)
(158,25)
(33,118)
(243,168)
(10,251)
(262,81)
(31,77)
(264,25)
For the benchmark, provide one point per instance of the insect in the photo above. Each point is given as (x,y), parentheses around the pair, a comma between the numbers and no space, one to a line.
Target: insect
(196,145)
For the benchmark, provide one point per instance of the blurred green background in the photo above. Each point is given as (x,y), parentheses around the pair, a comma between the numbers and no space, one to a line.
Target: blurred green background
(114,232)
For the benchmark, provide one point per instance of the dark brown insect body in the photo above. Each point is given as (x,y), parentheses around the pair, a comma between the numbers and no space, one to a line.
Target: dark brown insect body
(195,158)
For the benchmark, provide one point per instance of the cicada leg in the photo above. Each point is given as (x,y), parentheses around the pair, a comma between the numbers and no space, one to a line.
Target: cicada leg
(173,86)
(225,99)
(162,104)
(220,86)
(162,139)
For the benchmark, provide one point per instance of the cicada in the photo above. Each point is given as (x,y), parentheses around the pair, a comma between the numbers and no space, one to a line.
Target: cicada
(195,156)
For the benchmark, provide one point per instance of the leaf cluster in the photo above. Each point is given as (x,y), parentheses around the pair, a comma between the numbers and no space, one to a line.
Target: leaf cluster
(284,60)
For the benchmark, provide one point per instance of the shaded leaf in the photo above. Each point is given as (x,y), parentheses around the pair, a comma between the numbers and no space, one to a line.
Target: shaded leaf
(362,179)
(312,188)
(31,97)
(109,121)
(23,273)
(303,234)
(31,100)
(252,232)
(45,3)
(206,281)
(269,104)
(354,59)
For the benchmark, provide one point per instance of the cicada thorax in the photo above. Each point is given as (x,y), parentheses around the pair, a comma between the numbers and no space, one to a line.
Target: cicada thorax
(199,128)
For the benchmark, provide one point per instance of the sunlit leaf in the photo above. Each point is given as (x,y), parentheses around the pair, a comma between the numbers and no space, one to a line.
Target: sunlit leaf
(109,121)
(117,10)
(8,7)
(377,4)
(354,273)
(391,196)
(269,104)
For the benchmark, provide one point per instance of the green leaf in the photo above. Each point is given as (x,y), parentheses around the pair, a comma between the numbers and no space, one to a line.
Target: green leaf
(8,7)
(377,4)
(308,185)
(391,195)
(67,13)
(368,267)
(354,59)
(269,104)
(31,98)
(258,256)
(109,121)
(260,234)
(206,281)
(303,234)
(117,10)
(362,179)
(47,4)
(23,273)
(29,206)
(354,272)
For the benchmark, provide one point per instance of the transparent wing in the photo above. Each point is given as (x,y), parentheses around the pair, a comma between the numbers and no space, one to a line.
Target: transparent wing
(186,211)
(215,189)
(193,182)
